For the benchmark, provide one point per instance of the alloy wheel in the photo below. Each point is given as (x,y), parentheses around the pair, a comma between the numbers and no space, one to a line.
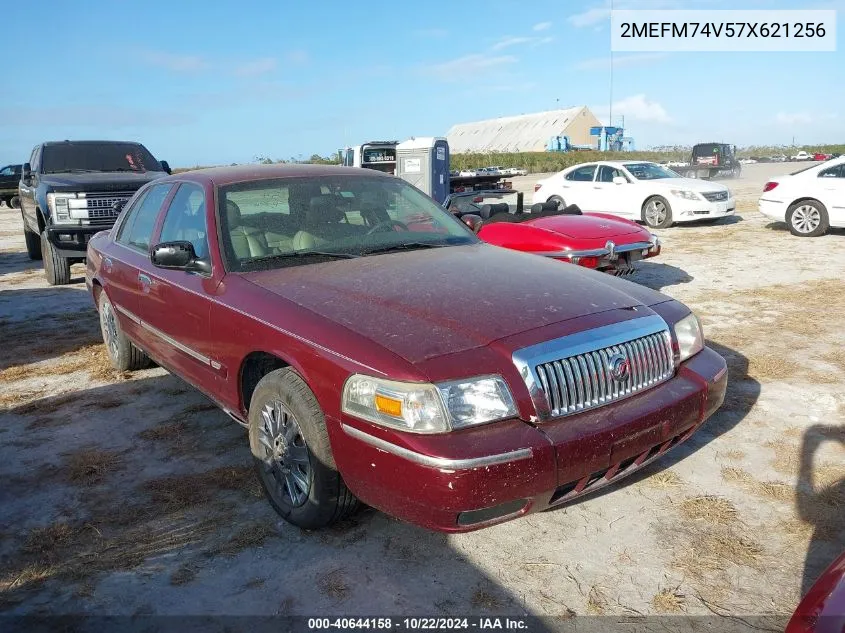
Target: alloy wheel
(286,456)
(655,212)
(806,218)
(108,322)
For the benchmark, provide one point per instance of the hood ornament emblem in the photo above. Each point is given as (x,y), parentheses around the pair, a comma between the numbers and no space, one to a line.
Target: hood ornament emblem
(619,367)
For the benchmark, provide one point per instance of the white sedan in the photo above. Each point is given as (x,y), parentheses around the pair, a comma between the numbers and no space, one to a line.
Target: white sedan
(637,190)
(809,200)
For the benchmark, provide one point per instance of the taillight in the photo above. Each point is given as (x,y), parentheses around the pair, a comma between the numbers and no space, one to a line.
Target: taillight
(537,187)
(769,186)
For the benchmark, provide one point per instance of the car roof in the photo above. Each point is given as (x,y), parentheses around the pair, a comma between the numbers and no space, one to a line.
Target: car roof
(247,173)
(90,142)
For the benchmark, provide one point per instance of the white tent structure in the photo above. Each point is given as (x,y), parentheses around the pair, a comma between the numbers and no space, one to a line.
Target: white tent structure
(523,133)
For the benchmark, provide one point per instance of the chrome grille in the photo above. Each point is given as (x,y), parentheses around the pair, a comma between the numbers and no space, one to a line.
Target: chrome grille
(715,196)
(101,205)
(574,374)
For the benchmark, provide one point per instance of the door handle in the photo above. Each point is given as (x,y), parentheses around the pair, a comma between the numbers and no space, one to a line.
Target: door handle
(145,280)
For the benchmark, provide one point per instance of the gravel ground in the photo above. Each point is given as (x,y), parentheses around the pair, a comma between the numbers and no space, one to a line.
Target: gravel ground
(131,494)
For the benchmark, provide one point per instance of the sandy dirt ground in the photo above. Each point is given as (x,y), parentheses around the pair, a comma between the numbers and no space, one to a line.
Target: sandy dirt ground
(132,494)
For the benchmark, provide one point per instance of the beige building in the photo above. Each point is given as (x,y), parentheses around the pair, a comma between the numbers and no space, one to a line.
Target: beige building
(523,133)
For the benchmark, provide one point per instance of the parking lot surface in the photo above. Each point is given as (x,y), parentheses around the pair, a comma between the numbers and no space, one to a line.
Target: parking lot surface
(133,494)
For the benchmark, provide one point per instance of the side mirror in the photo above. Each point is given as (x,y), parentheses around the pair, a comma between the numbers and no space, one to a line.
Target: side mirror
(118,205)
(178,256)
(165,166)
(473,221)
(619,180)
(26,173)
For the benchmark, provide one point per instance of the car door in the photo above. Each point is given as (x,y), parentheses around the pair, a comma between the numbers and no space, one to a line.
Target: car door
(175,305)
(128,255)
(576,187)
(831,183)
(611,197)
(26,191)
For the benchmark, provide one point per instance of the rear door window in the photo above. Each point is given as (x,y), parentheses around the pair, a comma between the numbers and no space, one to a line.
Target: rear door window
(582,174)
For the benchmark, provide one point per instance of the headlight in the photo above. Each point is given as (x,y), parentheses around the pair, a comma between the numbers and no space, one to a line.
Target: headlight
(685,194)
(58,204)
(690,336)
(428,408)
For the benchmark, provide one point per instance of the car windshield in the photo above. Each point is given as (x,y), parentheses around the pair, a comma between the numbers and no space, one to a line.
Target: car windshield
(650,171)
(71,157)
(472,203)
(293,221)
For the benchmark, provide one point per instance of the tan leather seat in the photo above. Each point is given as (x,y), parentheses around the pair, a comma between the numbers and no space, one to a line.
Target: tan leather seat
(247,241)
(322,224)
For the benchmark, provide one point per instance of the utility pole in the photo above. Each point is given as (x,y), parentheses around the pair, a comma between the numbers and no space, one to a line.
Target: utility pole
(610,104)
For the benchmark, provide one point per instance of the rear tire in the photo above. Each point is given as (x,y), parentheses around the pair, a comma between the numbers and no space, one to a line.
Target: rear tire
(123,354)
(657,213)
(56,267)
(559,201)
(33,241)
(292,455)
(807,218)
(14,202)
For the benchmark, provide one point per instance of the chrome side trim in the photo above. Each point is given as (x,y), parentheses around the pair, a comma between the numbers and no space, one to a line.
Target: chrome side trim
(129,315)
(168,339)
(529,358)
(437,462)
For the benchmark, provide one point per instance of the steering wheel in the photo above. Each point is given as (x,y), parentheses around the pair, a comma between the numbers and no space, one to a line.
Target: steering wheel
(387,223)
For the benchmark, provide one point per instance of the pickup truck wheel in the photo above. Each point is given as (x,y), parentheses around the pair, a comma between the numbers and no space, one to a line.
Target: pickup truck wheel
(558,201)
(124,356)
(807,218)
(14,202)
(293,458)
(33,242)
(56,267)
(657,213)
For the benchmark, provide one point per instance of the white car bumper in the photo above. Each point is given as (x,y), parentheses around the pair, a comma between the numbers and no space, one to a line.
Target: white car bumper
(684,210)
(774,209)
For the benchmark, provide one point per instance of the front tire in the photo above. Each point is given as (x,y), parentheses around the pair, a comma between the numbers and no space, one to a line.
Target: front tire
(807,218)
(123,354)
(657,212)
(56,267)
(33,241)
(292,455)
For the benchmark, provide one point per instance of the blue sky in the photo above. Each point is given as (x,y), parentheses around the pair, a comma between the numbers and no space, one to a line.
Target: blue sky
(218,82)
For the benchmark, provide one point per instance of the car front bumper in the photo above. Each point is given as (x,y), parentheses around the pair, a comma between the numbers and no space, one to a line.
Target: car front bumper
(463,481)
(690,210)
(71,240)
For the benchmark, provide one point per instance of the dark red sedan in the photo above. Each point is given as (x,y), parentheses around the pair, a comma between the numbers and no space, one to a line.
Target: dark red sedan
(378,350)
(822,610)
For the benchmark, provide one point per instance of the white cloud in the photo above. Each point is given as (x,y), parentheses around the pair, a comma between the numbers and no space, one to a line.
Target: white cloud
(600,13)
(297,57)
(458,69)
(542,26)
(635,108)
(793,118)
(619,61)
(175,63)
(256,67)
(516,41)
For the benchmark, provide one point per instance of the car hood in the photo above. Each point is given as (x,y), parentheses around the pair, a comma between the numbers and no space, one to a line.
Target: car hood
(100,181)
(693,184)
(587,226)
(428,303)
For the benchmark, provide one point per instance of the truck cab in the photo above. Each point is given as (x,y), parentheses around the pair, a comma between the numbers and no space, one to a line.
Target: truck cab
(70,190)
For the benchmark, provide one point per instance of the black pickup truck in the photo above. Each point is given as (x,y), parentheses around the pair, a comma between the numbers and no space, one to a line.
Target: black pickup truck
(9,177)
(70,190)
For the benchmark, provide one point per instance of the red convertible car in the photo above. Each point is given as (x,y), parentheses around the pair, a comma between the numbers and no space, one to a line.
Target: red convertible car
(445,381)
(595,240)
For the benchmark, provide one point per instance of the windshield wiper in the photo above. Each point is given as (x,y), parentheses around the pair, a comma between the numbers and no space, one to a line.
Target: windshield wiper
(406,246)
(136,171)
(75,170)
(303,255)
